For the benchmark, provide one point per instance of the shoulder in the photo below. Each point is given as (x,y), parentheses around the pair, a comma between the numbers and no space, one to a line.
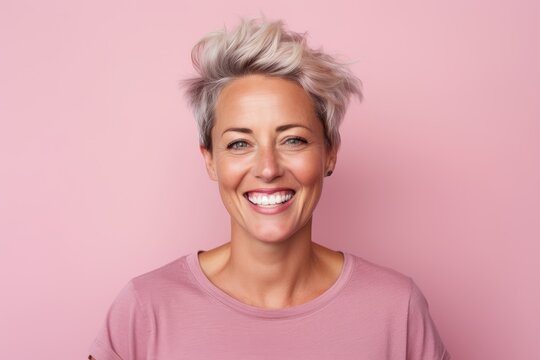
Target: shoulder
(161,282)
(379,280)
(132,315)
(164,273)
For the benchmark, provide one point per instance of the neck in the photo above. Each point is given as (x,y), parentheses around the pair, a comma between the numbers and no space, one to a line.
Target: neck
(271,274)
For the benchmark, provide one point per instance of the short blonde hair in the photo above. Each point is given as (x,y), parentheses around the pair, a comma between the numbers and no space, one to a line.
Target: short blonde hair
(258,46)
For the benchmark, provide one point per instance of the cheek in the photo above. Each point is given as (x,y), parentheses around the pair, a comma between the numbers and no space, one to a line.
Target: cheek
(230,171)
(307,168)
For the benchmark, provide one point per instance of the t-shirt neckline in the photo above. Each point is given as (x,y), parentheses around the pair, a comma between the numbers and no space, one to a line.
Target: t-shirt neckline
(294,311)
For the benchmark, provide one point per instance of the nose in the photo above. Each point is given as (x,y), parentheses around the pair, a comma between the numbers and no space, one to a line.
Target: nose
(267,165)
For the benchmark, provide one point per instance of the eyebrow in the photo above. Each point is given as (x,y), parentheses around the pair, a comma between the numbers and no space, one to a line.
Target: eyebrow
(278,129)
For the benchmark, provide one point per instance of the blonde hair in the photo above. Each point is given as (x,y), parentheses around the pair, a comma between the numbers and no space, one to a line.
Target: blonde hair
(258,46)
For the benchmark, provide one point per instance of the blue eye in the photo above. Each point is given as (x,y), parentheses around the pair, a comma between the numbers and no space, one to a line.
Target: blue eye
(296,141)
(237,145)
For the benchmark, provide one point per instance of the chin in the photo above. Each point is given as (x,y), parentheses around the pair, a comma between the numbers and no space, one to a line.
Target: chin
(272,234)
(268,233)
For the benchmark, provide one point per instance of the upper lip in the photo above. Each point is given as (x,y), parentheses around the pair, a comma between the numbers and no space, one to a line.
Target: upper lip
(269,190)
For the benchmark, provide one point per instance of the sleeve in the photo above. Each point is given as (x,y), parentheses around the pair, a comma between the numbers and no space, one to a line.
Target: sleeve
(423,340)
(125,331)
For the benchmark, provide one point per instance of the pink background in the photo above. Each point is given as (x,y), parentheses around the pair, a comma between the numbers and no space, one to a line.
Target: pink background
(101,178)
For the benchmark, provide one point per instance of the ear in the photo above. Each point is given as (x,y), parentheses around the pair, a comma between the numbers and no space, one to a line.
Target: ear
(331,159)
(209,160)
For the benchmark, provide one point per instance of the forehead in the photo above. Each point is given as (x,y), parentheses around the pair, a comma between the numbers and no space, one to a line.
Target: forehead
(258,100)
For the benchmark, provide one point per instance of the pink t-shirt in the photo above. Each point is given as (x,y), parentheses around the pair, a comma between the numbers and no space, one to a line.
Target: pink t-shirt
(175,312)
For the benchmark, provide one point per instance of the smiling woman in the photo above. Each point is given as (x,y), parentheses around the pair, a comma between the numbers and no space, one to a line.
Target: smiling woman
(268,144)
(268,109)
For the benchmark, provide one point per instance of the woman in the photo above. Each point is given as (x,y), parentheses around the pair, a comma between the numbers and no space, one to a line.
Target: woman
(268,110)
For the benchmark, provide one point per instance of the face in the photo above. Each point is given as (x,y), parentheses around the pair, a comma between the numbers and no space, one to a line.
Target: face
(269,157)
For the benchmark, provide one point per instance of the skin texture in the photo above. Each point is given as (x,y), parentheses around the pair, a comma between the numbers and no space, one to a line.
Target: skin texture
(270,260)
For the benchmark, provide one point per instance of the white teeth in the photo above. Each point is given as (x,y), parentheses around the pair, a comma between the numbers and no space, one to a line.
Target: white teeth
(270,200)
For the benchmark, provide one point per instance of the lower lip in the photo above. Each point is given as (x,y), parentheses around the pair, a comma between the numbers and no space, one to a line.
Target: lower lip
(271,210)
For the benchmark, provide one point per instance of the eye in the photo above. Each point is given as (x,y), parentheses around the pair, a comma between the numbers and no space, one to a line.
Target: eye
(296,141)
(237,145)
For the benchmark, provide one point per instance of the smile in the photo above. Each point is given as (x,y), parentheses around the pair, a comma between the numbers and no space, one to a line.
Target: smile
(269,199)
